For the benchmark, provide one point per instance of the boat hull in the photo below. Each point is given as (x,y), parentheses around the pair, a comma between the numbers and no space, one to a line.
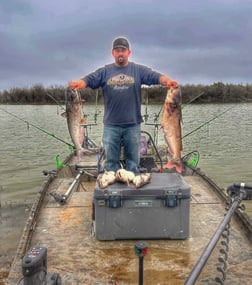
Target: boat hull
(79,258)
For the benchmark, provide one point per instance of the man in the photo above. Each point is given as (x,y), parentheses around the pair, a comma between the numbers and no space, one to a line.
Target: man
(121,84)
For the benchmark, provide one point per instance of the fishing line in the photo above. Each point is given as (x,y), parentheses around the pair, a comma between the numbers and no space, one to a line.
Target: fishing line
(39,128)
(207,122)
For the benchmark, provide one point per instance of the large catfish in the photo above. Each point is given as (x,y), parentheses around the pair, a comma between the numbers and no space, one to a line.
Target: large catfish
(171,124)
(74,120)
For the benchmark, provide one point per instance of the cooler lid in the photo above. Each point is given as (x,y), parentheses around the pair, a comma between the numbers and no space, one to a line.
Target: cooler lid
(161,184)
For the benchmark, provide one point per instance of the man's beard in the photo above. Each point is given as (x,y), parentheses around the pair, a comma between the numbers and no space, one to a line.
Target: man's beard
(121,61)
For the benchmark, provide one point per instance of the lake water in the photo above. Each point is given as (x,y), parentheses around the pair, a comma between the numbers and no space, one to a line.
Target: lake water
(225,146)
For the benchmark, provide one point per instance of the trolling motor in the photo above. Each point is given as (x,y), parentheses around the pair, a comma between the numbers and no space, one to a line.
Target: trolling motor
(34,269)
(237,192)
(240,188)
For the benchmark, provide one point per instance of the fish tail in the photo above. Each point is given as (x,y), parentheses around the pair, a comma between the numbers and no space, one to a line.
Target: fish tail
(177,166)
(79,154)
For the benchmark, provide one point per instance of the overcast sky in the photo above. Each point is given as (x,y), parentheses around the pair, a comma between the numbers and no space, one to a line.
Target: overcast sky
(54,41)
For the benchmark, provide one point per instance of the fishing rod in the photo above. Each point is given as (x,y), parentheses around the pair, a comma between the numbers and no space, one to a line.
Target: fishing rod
(207,122)
(96,106)
(193,99)
(39,128)
(56,101)
(146,115)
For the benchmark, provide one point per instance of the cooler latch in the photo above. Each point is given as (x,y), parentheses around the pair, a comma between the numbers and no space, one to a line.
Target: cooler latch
(171,198)
(114,199)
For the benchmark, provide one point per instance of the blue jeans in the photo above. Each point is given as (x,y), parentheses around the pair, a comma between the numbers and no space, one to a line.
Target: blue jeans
(129,137)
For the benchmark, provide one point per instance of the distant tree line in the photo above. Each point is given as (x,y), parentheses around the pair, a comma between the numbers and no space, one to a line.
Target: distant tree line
(215,93)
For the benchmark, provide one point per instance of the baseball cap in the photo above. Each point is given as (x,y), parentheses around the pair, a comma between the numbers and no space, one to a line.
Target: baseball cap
(120,43)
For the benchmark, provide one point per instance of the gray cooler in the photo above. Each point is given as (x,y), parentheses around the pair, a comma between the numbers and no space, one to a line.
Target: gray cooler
(158,210)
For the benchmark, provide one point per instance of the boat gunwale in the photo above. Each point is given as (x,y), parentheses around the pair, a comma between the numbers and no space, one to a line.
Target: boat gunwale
(240,214)
(30,224)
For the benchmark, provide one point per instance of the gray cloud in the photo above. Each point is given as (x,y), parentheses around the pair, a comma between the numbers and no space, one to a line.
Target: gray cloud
(52,42)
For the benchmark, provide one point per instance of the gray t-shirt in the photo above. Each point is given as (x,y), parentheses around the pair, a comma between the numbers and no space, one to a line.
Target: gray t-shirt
(122,91)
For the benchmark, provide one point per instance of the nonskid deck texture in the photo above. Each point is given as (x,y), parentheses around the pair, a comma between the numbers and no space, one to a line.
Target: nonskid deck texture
(74,253)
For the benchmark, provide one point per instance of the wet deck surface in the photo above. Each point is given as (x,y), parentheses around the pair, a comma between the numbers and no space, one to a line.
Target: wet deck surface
(74,252)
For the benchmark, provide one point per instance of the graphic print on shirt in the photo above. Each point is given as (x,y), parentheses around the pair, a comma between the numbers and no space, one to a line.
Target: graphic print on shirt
(121,81)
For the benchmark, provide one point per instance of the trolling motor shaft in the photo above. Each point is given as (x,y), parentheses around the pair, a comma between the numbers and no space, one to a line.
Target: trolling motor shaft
(237,192)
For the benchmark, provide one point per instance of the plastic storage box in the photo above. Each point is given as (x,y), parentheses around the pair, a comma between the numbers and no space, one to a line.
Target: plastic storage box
(158,210)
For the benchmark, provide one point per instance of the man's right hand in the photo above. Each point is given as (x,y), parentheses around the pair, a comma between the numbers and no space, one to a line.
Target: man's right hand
(172,84)
(76,85)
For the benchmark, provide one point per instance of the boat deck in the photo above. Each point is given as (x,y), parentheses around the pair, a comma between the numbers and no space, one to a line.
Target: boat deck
(79,258)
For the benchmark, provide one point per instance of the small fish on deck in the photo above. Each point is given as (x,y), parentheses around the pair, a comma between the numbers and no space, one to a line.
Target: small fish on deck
(126,176)
(142,179)
(106,178)
(171,124)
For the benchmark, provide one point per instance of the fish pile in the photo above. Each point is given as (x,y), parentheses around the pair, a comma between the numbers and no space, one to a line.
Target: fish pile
(125,176)
(171,124)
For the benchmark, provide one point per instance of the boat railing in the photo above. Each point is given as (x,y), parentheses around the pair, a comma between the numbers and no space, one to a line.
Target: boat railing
(156,126)
(88,142)
(151,141)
